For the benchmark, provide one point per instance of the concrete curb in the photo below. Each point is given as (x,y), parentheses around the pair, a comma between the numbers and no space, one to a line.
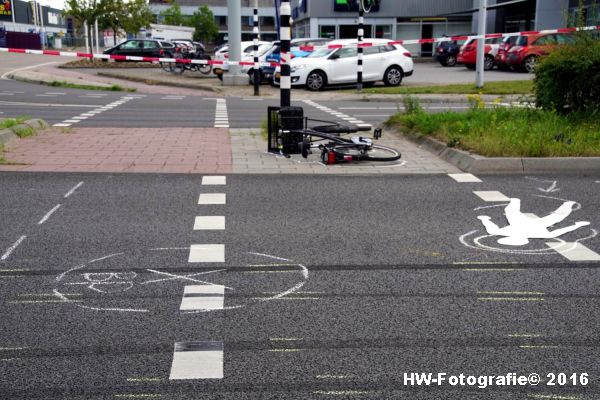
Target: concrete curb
(433,98)
(474,163)
(8,135)
(159,82)
(42,79)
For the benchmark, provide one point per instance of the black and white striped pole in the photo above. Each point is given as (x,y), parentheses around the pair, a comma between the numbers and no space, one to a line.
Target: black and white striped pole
(361,35)
(255,38)
(285,35)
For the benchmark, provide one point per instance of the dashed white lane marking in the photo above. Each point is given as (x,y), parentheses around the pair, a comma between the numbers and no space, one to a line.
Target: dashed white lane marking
(212,198)
(209,223)
(45,95)
(12,248)
(98,109)
(214,180)
(70,192)
(465,178)
(207,253)
(172,98)
(203,297)
(57,93)
(48,214)
(574,251)
(221,116)
(338,114)
(197,360)
(491,196)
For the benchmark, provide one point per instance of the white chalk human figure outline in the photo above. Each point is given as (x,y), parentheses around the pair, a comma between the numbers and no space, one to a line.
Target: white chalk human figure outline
(522,227)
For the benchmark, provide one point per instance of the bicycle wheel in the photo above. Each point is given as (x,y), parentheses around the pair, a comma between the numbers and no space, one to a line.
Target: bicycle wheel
(204,68)
(178,68)
(166,66)
(382,153)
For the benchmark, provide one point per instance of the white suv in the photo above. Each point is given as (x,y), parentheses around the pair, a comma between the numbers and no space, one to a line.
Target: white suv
(383,61)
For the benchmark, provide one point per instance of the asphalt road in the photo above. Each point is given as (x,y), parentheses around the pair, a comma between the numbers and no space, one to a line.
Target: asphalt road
(57,105)
(334,287)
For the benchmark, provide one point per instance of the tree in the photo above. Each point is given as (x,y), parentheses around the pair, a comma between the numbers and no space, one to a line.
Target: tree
(173,15)
(136,15)
(83,10)
(206,27)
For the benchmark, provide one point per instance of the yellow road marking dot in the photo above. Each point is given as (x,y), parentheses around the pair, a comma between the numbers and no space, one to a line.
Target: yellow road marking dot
(341,392)
(509,299)
(270,272)
(7,359)
(525,335)
(14,270)
(334,376)
(12,348)
(485,263)
(285,339)
(142,379)
(491,269)
(537,347)
(553,397)
(285,350)
(513,293)
(137,396)
(272,265)
(43,301)
(12,276)
(48,294)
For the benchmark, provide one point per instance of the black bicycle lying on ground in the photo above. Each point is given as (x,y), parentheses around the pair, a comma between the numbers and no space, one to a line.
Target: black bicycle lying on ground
(289,133)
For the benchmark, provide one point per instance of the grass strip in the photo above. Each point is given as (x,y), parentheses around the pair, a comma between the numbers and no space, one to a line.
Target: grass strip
(10,122)
(498,88)
(508,132)
(112,88)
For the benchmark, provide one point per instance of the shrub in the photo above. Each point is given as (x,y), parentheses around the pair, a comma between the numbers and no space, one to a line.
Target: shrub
(412,105)
(569,78)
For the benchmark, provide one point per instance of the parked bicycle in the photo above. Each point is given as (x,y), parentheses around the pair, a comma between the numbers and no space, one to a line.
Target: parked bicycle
(187,53)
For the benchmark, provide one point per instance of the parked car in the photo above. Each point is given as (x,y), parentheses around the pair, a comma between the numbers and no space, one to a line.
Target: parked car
(298,50)
(383,61)
(222,54)
(143,48)
(528,49)
(468,53)
(507,43)
(446,52)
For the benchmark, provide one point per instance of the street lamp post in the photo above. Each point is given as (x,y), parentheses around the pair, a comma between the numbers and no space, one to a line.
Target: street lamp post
(481,22)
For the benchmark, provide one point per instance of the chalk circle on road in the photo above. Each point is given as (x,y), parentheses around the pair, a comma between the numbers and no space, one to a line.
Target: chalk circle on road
(482,240)
(144,281)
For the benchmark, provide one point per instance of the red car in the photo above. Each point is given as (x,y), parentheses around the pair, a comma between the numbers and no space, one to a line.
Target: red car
(468,53)
(508,42)
(528,49)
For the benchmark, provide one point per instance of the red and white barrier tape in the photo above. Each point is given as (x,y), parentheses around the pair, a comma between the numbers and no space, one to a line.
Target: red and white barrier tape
(452,38)
(275,64)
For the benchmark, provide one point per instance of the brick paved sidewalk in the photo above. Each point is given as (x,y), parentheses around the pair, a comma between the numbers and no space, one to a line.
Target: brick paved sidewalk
(165,150)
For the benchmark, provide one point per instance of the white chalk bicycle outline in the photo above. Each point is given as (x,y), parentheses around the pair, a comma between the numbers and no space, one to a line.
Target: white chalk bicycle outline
(91,284)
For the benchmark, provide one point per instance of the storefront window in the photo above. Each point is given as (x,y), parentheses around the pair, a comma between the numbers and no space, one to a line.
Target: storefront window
(327,31)
(383,31)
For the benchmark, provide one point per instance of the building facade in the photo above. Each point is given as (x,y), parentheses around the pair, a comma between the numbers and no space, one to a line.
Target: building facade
(396,19)
(52,19)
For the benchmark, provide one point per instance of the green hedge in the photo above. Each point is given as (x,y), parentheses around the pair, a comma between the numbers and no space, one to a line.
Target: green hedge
(569,78)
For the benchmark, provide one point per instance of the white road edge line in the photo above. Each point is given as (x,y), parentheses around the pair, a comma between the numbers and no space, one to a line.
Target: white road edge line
(12,248)
(197,360)
(70,192)
(5,75)
(491,196)
(45,218)
(574,251)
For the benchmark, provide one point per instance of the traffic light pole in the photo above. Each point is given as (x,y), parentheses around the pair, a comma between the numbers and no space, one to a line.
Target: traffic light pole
(361,35)
(257,72)
(285,36)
